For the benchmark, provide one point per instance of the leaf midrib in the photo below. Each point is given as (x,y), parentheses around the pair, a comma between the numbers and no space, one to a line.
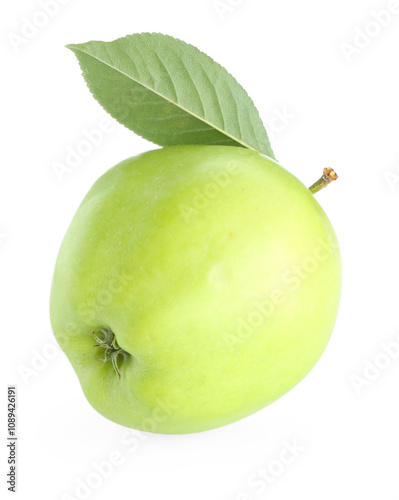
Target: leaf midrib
(211,125)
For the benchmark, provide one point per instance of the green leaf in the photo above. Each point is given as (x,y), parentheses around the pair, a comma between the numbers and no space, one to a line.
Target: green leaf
(169,92)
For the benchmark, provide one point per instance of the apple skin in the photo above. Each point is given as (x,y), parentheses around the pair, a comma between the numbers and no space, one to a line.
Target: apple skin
(216,270)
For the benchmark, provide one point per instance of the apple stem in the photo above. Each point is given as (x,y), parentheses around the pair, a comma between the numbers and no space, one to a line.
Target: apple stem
(328,176)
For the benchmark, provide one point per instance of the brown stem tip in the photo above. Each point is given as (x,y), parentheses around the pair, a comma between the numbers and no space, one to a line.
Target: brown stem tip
(328,176)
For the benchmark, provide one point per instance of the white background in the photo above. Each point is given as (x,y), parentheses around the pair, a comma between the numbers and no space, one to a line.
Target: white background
(343,112)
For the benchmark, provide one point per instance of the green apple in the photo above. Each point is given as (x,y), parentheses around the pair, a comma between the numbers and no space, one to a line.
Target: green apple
(195,285)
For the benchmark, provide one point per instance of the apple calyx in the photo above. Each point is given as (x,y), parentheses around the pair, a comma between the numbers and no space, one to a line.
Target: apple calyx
(328,176)
(111,348)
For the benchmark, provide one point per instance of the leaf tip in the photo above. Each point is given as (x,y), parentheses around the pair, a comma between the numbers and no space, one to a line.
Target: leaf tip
(71,46)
